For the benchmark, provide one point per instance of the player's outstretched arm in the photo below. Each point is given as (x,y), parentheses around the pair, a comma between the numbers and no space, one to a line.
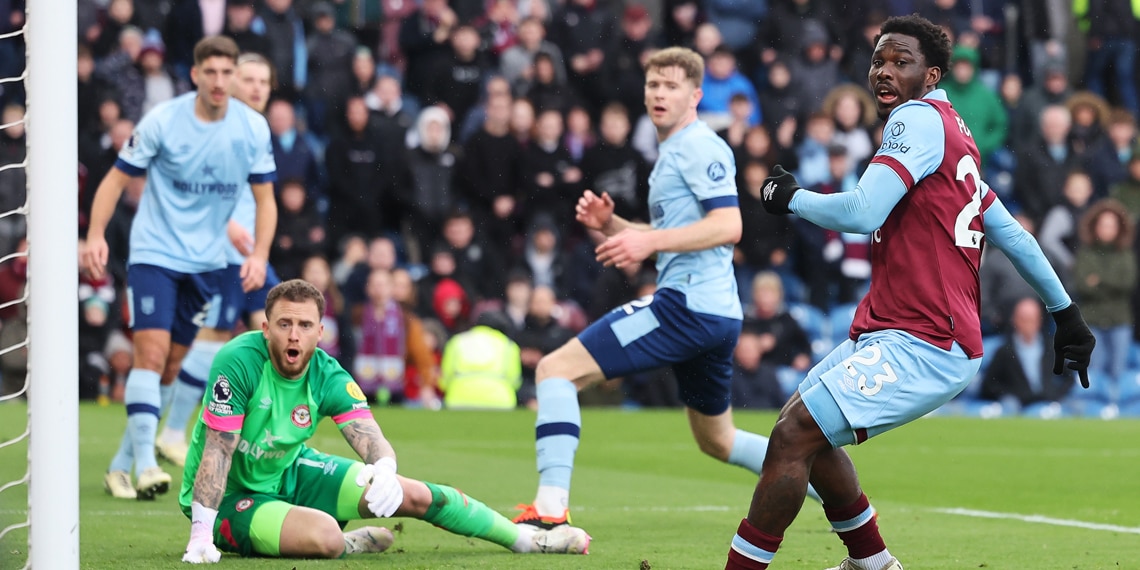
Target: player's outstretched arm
(852,212)
(385,492)
(209,488)
(721,226)
(102,208)
(597,213)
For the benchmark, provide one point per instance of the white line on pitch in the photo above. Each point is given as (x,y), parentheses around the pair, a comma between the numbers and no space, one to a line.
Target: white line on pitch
(1040,519)
(148,513)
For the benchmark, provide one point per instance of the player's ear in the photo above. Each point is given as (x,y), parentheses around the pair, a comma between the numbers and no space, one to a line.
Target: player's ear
(194,75)
(934,75)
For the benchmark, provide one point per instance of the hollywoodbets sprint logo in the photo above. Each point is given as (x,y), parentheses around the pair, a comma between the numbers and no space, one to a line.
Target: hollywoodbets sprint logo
(203,187)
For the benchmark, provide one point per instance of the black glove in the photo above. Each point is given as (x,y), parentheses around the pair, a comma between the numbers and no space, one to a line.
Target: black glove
(1073,341)
(779,187)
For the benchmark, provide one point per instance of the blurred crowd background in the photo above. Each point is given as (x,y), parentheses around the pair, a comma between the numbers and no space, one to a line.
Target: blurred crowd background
(430,152)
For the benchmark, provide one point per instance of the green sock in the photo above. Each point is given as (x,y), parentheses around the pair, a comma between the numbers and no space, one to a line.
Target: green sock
(455,512)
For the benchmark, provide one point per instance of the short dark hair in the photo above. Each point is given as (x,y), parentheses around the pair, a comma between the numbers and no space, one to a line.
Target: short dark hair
(215,46)
(295,291)
(932,40)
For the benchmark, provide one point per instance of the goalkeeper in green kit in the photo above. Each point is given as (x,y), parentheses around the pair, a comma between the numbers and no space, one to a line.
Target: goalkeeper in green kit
(251,485)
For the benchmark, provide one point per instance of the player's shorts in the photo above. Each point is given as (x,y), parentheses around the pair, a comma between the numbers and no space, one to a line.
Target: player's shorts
(161,298)
(659,330)
(884,380)
(231,303)
(250,523)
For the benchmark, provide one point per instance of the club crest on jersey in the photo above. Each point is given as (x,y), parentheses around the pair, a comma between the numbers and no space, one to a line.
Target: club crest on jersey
(301,417)
(354,390)
(222,391)
(243,504)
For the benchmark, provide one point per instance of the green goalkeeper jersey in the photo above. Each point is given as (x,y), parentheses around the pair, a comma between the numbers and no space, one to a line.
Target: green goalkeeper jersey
(273,416)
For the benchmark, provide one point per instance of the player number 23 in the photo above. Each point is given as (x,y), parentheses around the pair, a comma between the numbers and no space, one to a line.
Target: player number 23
(963,235)
(870,357)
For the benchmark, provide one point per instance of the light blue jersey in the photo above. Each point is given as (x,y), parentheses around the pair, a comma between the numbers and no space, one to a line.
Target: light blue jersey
(195,171)
(695,173)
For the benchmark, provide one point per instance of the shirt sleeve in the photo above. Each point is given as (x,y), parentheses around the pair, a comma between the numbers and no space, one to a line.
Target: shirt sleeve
(860,211)
(264,167)
(1005,233)
(914,142)
(710,171)
(342,399)
(228,391)
(142,147)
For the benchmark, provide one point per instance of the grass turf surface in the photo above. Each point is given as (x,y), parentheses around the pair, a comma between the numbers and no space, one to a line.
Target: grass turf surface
(645,493)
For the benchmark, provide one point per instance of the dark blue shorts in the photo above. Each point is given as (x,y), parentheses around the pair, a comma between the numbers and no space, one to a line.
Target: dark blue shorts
(161,298)
(231,303)
(660,330)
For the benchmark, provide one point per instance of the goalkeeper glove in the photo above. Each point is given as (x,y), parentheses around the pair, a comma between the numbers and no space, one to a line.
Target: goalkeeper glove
(778,190)
(385,494)
(201,549)
(1073,341)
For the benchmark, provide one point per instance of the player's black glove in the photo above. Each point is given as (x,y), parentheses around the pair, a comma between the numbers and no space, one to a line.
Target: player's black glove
(779,187)
(1073,341)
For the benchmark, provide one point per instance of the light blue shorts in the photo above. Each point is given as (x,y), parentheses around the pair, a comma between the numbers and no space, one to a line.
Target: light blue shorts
(880,382)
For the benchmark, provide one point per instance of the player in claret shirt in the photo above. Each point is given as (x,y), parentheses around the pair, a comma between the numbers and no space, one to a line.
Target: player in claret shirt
(252,486)
(916,339)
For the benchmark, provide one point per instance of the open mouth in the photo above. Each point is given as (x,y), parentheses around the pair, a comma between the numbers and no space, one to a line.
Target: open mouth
(885,96)
(292,355)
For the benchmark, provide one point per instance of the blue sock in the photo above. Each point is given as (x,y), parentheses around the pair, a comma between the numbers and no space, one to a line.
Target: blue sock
(556,431)
(165,393)
(749,451)
(124,458)
(144,398)
(189,386)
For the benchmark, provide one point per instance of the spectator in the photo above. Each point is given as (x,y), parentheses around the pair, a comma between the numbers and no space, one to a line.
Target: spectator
(120,70)
(853,112)
(1002,287)
(1059,232)
(540,336)
(812,152)
(283,28)
(623,70)
(783,341)
(1111,27)
(780,104)
(792,24)
(579,135)
(97,167)
(706,39)
(452,305)
(549,178)
(545,90)
(737,20)
(721,82)
(739,111)
(516,63)
(481,367)
(120,15)
(295,157)
(13,181)
(353,252)
(337,335)
(615,168)
(765,242)
(978,105)
(1127,191)
(158,82)
(1052,88)
(118,355)
(1043,164)
(424,37)
(815,67)
(363,72)
(498,27)
(578,26)
(1090,115)
(390,114)
(616,286)
(1105,277)
(488,182)
(829,258)
(381,254)
(522,121)
(1021,372)
(240,16)
(90,89)
(331,51)
(425,187)
(543,255)
(300,233)
(457,75)
(1046,25)
(479,261)
(389,340)
(187,23)
(99,311)
(1107,163)
(355,193)
(516,303)
(755,385)
(442,266)
(759,147)
(681,20)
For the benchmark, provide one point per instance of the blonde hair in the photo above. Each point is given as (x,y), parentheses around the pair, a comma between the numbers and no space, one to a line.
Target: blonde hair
(688,60)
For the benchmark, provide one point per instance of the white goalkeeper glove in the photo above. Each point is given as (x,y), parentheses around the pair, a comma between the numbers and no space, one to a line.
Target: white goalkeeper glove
(385,495)
(201,549)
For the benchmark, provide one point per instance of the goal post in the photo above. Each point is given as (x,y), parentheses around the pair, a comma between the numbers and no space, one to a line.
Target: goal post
(53,321)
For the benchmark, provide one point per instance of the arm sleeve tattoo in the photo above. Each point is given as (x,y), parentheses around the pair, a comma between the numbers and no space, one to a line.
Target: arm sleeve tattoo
(365,437)
(214,470)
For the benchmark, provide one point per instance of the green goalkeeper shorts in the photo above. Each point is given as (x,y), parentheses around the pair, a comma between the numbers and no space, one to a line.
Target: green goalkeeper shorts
(250,523)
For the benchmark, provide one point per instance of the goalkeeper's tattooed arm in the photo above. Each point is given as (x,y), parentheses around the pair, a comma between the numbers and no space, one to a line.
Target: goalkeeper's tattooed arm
(214,470)
(365,437)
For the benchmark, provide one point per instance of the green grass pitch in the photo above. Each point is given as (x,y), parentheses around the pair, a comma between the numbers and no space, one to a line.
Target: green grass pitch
(645,493)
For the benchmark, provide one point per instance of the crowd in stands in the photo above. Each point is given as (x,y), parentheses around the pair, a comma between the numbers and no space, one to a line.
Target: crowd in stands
(429,154)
